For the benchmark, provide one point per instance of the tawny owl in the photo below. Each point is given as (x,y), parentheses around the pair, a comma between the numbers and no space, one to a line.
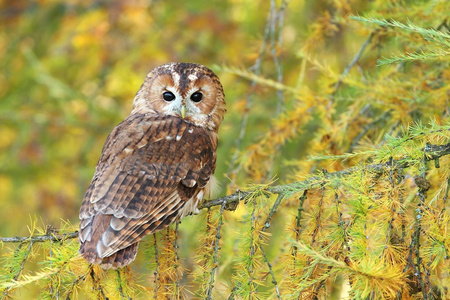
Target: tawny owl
(156,165)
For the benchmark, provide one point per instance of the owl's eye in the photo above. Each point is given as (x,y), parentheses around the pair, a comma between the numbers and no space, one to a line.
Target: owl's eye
(197,97)
(168,96)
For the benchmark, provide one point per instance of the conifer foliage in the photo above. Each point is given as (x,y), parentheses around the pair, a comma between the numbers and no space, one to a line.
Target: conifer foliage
(334,155)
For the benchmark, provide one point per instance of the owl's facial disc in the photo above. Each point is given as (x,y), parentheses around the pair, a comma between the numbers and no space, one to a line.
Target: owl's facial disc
(183,103)
(190,91)
(177,105)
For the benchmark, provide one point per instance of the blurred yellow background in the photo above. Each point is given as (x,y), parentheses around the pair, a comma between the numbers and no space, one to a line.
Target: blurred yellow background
(301,78)
(70,70)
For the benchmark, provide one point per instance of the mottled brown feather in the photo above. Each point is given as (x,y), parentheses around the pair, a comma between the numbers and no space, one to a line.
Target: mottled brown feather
(154,165)
(137,198)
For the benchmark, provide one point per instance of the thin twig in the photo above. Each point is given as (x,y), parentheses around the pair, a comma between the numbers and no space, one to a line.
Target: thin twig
(272,212)
(75,282)
(177,261)
(256,68)
(349,66)
(265,226)
(252,251)
(369,126)
(342,223)
(216,253)
(232,294)
(319,216)
(416,242)
(276,29)
(155,244)
(274,281)
(97,286)
(392,210)
(276,40)
(297,229)
(444,199)
(22,264)
(120,282)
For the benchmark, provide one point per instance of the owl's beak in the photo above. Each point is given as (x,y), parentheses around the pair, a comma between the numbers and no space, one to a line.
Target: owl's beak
(183,111)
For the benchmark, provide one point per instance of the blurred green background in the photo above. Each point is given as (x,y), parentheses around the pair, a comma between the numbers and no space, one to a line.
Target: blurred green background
(69,72)
(70,69)
(301,78)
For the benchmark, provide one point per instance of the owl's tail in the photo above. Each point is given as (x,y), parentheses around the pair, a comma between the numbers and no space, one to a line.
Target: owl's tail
(119,259)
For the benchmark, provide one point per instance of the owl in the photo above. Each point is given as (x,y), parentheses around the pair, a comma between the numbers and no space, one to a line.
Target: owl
(156,166)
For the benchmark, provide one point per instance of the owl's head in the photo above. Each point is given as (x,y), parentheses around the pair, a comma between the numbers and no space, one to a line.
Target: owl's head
(185,90)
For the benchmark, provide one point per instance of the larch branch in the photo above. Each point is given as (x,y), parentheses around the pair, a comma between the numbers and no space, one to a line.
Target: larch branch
(40,238)
(350,65)
(431,152)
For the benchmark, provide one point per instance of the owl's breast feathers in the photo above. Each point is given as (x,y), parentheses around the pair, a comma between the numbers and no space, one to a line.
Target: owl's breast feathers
(152,172)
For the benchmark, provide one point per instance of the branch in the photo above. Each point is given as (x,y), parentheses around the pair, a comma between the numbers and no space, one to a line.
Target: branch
(431,152)
(40,238)
(230,202)
(350,65)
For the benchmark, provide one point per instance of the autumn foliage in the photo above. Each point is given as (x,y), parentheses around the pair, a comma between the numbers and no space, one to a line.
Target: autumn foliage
(334,155)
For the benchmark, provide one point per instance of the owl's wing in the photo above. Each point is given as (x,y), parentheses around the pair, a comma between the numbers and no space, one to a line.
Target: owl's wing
(149,169)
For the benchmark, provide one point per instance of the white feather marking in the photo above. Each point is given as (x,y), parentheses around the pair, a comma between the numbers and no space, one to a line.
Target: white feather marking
(85,235)
(127,150)
(176,78)
(169,138)
(191,205)
(117,223)
(192,77)
(191,130)
(212,188)
(200,195)
(85,222)
(107,238)
(101,249)
(178,137)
